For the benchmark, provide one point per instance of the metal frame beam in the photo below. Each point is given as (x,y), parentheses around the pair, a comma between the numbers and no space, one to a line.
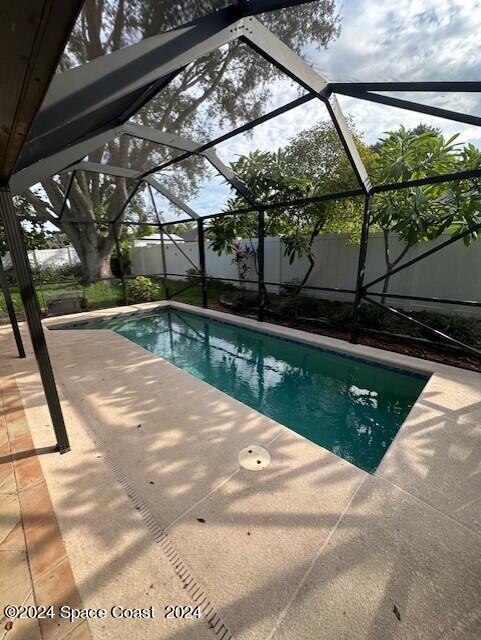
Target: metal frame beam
(261,312)
(162,247)
(176,244)
(31,307)
(281,56)
(409,105)
(426,327)
(192,148)
(425,254)
(426,87)
(67,194)
(25,178)
(268,206)
(254,7)
(133,174)
(11,311)
(131,195)
(444,177)
(93,97)
(201,245)
(121,265)
(361,269)
(172,197)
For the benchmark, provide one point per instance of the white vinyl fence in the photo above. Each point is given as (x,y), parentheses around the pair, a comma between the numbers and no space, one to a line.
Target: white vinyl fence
(48,258)
(453,272)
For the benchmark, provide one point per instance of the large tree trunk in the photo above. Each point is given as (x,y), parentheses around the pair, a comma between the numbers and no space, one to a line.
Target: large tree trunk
(96,264)
(93,250)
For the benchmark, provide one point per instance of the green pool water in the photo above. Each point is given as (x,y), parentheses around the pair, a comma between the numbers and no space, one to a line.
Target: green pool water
(350,406)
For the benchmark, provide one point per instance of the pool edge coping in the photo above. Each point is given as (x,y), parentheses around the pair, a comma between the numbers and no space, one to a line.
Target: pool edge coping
(359,351)
(400,362)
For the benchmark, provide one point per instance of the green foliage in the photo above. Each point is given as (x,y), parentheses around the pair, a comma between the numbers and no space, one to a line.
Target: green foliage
(300,307)
(193,275)
(313,163)
(371,316)
(56,274)
(424,212)
(34,233)
(142,289)
(461,328)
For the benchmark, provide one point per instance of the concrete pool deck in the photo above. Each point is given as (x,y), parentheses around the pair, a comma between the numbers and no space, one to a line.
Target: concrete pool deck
(154,509)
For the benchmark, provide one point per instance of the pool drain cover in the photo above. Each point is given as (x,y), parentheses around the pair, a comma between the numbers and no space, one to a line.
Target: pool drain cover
(254,458)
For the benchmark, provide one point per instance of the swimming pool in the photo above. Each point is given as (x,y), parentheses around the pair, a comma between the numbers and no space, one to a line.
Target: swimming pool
(350,406)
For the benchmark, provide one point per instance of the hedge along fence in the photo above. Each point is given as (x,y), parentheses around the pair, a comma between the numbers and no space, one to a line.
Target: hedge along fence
(454,273)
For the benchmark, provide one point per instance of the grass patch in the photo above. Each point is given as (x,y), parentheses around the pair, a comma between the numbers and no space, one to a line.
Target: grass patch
(102,295)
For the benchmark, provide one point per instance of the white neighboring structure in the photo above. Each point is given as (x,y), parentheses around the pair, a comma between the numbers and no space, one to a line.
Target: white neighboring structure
(48,258)
(154,239)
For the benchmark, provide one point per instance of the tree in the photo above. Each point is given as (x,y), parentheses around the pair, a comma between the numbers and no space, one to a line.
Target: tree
(229,85)
(313,163)
(36,237)
(423,213)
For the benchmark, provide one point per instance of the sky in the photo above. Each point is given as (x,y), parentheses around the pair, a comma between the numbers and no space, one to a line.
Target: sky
(392,40)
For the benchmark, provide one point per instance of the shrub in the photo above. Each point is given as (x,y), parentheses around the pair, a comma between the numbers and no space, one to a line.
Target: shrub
(461,328)
(61,273)
(371,316)
(239,299)
(289,288)
(193,275)
(341,316)
(142,289)
(296,307)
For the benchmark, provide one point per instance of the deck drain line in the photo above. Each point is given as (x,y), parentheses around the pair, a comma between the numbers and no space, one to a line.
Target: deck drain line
(254,458)
(192,587)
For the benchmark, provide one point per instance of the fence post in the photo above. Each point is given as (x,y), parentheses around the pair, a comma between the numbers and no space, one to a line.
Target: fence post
(31,307)
(260,265)
(361,268)
(200,240)
(11,311)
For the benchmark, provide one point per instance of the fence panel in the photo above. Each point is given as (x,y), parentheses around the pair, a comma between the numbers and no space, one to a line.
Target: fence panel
(453,273)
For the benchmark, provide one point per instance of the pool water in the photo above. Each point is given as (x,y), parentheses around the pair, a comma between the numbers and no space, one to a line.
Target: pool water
(350,406)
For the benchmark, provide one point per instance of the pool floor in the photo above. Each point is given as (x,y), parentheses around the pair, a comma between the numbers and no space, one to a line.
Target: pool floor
(350,406)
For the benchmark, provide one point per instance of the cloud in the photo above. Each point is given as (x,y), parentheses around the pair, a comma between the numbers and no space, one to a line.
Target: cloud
(392,40)
(401,40)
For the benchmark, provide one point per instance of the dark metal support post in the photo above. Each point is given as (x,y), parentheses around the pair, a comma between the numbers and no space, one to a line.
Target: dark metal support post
(260,265)
(162,247)
(361,268)
(31,307)
(203,281)
(67,194)
(11,311)
(121,266)
(164,262)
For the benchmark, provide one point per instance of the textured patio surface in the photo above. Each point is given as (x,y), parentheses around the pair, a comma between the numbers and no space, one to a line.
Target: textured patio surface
(34,569)
(154,509)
